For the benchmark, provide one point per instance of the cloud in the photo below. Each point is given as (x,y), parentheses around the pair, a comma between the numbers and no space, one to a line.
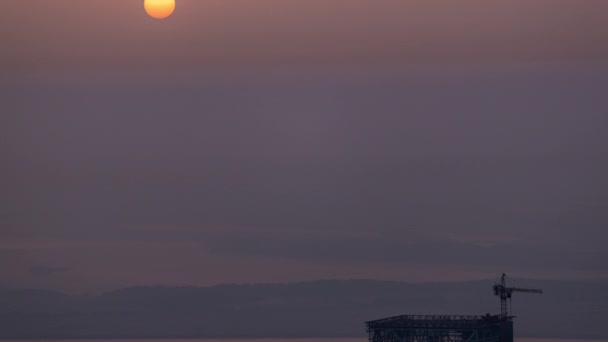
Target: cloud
(47,270)
(399,250)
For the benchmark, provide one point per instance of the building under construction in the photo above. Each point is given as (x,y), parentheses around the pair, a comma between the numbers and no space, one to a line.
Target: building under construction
(450,328)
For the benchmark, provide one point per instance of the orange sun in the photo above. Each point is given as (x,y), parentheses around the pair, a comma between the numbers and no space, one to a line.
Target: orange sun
(159,9)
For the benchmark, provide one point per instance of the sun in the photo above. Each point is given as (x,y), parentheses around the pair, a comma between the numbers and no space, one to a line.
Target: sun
(159,9)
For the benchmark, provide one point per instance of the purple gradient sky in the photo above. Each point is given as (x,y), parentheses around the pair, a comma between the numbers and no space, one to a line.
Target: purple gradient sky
(284,140)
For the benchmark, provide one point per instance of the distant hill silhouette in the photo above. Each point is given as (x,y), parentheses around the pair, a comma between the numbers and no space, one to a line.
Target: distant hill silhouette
(327,308)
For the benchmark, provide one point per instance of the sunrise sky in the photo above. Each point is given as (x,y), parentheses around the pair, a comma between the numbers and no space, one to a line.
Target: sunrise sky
(283,140)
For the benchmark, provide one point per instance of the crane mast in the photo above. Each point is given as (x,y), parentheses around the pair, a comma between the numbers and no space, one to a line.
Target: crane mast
(501,290)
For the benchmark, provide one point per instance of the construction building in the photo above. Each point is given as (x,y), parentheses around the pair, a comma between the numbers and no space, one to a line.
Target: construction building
(450,328)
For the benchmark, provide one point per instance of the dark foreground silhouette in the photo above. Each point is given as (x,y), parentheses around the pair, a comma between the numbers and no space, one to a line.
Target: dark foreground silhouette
(310,309)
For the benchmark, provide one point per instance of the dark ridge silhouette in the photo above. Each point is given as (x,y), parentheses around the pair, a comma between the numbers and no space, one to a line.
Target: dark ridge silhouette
(326,308)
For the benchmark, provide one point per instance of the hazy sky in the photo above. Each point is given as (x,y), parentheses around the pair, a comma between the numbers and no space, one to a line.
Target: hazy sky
(282,140)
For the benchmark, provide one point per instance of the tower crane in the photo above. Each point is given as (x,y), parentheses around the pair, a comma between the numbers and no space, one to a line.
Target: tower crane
(501,290)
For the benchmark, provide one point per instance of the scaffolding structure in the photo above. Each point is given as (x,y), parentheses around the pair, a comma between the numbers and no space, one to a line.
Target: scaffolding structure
(441,328)
(450,328)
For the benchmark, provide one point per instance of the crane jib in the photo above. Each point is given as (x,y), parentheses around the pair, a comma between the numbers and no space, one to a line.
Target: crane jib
(501,290)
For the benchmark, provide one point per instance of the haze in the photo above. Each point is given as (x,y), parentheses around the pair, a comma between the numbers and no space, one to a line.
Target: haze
(286,140)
